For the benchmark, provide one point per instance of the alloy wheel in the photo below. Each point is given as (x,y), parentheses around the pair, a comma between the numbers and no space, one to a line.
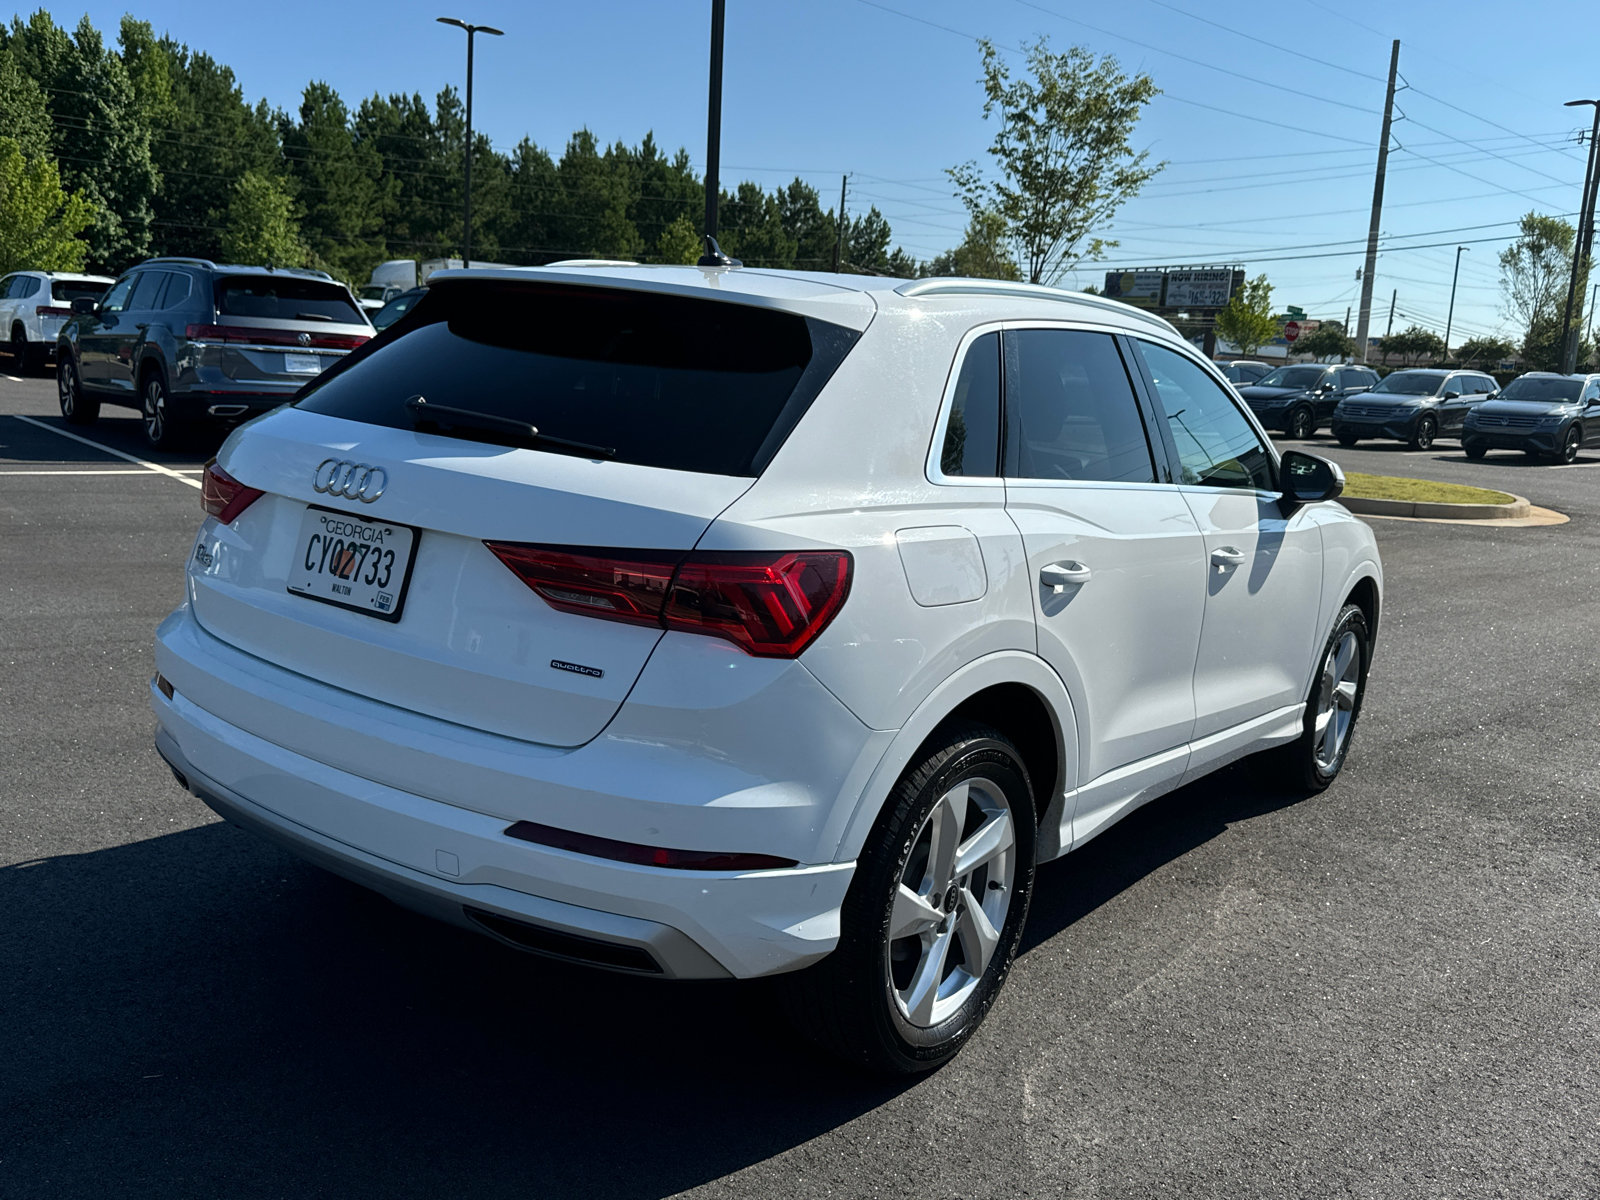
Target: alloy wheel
(19,352)
(66,389)
(1341,675)
(1423,440)
(1300,428)
(155,411)
(1570,446)
(951,903)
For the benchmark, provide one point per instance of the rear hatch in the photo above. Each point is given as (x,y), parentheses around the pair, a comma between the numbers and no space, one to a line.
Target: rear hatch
(681,400)
(279,329)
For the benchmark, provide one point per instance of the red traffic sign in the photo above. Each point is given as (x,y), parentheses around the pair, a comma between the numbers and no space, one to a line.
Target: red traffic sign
(1291,330)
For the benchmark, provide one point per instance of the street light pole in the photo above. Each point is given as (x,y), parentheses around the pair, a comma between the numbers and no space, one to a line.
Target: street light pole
(1569,342)
(466,219)
(1450,320)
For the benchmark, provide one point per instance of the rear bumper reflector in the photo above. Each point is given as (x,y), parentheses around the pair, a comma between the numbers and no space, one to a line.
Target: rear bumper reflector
(644,856)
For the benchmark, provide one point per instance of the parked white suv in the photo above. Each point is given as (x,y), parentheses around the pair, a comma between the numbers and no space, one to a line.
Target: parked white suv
(720,622)
(33,307)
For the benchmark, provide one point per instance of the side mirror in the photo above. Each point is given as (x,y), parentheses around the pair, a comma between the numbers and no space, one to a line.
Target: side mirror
(84,305)
(1492,395)
(1452,395)
(1307,479)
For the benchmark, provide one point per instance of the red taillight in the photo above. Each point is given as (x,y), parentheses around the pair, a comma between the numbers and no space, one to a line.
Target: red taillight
(772,604)
(273,337)
(594,582)
(646,856)
(223,496)
(50,310)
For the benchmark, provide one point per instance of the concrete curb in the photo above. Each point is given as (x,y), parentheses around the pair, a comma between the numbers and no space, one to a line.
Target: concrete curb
(1519,507)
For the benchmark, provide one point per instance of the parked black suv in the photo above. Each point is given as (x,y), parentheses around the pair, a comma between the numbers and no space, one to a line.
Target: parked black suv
(1301,398)
(188,342)
(1413,406)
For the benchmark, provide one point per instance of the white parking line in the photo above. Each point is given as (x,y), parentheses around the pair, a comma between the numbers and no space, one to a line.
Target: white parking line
(109,471)
(149,466)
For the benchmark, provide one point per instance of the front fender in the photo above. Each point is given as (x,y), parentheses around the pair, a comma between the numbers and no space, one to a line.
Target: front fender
(1004,666)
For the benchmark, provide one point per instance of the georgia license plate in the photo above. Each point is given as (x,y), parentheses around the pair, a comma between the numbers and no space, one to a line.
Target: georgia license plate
(302,364)
(353,562)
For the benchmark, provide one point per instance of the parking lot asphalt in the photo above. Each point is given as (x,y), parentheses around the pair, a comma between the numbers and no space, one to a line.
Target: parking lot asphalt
(1389,989)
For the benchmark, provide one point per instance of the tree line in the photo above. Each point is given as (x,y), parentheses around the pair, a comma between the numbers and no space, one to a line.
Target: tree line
(158,149)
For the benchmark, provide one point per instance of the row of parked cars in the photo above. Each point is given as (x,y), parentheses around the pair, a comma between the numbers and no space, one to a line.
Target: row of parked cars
(1542,414)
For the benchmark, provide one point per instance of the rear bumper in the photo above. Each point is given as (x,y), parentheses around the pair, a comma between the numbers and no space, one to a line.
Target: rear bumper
(445,859)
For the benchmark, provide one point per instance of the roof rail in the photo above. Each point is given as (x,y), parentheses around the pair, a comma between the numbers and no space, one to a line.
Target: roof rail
(956,286)
(594,262)
(306,272)
(188,262)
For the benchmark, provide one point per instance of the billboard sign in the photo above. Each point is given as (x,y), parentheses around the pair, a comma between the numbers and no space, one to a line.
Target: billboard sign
(1209,288)
(1142,289)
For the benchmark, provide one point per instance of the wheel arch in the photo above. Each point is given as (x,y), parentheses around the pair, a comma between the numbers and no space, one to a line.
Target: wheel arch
(1366,596)
(150,363)
(1018,694)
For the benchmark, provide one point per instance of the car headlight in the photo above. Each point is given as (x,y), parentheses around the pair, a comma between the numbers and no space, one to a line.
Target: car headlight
(1551,422)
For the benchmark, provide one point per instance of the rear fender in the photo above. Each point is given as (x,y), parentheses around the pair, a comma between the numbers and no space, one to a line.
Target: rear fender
(1002,667)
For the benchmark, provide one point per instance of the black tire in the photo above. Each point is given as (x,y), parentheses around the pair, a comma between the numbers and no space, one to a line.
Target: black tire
(23,356)
(76,408)
(1347,440)
(850,1003)
(1567,452)
(162,431)
(1299,765)
(1422,436)
(1302,424)
(1475,452)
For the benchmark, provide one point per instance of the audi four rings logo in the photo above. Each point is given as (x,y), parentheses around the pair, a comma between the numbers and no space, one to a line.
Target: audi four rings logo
(353,481)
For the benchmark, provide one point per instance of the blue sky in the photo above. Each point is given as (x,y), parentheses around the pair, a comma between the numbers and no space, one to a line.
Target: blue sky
(821,87)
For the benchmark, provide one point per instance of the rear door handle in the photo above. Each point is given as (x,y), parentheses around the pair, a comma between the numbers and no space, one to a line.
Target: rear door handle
(1058,577)
(1225,558)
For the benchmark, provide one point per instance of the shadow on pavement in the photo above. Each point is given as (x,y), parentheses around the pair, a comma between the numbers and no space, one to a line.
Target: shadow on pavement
(1159,833)
(120,429)
(200,1014)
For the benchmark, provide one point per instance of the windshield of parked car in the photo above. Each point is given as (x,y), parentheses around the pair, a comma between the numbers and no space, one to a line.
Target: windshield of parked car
(65,291)
(1291,377)
(668,381)
(1548,389)
(373,291)
(1407,383)
(286,298)
(396,308)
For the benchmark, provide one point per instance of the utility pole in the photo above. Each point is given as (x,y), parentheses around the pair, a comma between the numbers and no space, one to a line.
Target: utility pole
(838,245)
(466,219)
(1377,209)
(1347,318)
(714,139)
(1389,328)
(1450,320)
(1580,246)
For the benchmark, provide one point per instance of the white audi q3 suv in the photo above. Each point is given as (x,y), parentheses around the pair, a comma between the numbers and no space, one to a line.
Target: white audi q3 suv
(710,622)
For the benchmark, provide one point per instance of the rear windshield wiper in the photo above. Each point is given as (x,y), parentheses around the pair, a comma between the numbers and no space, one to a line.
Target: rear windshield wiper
(312,317)
(424,413)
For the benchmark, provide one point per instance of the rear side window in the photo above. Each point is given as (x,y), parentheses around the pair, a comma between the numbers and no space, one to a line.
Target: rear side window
(286,298)
(146,285)
(1217,447)
(178,287)
(65,291)
(663,381)
(1071,412)
(28,285)
(972,435)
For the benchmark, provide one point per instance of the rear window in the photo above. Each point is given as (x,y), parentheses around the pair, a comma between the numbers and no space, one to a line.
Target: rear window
(286,298)
(67,290)
(664,381)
